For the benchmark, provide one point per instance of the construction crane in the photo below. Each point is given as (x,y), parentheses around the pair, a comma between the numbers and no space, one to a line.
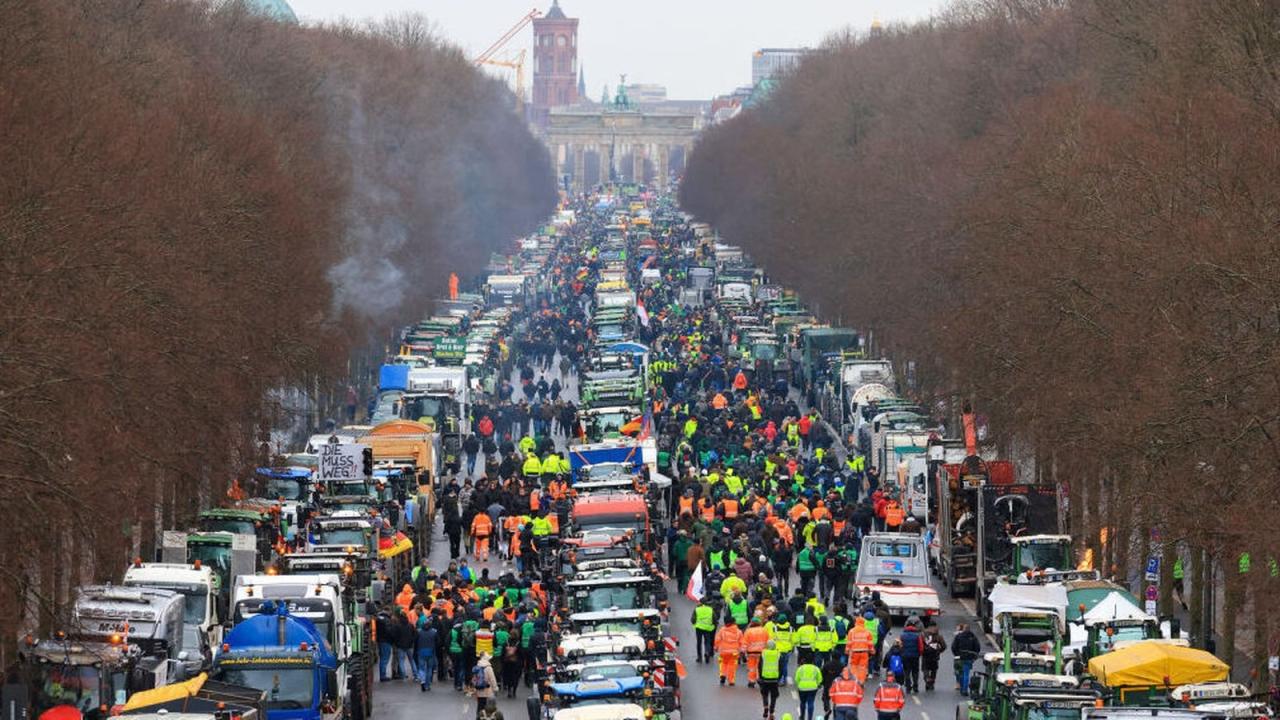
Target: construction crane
(515,61)
(506,37)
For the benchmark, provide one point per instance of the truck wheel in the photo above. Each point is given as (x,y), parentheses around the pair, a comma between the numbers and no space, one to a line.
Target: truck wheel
(357,707)
(534,708)
(951,587)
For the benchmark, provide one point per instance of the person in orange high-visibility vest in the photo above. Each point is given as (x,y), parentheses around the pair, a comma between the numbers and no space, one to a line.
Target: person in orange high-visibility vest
(893,516)
(481,529)
(707,509)
(889,699)
(728,644)
(558,489)
(859,646)
(754,641)
(686,505)
(729,507)
(453,286)
(846,695)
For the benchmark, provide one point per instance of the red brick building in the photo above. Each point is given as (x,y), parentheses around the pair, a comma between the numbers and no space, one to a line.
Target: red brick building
(555,63)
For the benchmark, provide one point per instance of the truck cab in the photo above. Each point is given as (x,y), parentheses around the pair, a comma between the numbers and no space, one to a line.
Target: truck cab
(227,555)
(894,565)
(203,612)
(1033,553)
(600,698)
(327,603)
(614,588)
(291,488)
(289,659)
(94,678)
(243,521)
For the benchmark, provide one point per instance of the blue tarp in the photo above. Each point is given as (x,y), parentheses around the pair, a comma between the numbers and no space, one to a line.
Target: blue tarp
(393,377)
(629,347)
(589,455)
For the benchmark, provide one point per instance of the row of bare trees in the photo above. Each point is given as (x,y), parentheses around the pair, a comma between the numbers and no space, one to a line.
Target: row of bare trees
(1065,211)
(200,207)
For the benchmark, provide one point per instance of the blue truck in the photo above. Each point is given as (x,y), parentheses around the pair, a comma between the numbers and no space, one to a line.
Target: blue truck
(289,659)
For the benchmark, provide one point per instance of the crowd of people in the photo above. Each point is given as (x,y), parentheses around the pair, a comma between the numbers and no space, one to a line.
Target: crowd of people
(767,514)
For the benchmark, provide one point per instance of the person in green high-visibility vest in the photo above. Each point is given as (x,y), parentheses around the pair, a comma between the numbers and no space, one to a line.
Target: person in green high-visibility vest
(1178,590)
(808,683)
(704,624)
(770,676)
(739,609)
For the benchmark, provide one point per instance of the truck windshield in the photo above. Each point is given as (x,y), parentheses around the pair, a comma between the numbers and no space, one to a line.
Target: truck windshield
(605,597)
(286,687)
(233,526)
(1044,555)
(216,557)
(290,490)
(77,685)
(1107,642)
(340,536)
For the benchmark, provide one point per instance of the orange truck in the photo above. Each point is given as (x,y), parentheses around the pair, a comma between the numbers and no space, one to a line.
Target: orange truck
(412,449)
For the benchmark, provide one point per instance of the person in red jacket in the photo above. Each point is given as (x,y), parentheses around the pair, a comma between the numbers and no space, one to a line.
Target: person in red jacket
(889,699)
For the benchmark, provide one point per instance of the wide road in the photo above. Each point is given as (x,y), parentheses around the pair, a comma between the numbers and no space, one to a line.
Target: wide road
(702,695)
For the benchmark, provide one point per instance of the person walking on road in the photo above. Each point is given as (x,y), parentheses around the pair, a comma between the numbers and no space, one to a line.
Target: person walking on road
(934,646)
(846,695)
(484,684)
(704,624)
(889,699)
(728,644)
(966,648)
(859,646)
(481,529)
(770,675)
(808,683)
(912,649)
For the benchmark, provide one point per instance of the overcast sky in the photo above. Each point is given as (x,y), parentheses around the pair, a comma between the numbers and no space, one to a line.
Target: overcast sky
(696,48)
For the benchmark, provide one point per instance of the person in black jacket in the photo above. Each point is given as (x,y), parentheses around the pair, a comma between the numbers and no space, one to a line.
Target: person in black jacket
(966,647)
(452,525)
(403,637)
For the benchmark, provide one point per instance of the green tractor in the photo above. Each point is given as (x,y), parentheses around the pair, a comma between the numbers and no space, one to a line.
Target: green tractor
(1021,683)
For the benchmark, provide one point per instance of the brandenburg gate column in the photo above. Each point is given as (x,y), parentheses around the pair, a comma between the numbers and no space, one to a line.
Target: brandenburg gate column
(579,167)
(602,159)
(660,166)
(637,163)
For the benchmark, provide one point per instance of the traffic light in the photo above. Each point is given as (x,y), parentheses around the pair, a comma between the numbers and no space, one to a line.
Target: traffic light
(368,462)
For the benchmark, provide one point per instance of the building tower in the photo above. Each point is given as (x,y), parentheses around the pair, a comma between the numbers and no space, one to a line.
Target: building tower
(555,63)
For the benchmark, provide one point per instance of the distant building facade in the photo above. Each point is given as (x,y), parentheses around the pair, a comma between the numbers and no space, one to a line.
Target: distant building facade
(555,63)
(768,62)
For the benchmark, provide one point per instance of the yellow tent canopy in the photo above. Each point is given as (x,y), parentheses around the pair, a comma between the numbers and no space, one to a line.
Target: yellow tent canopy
(167,693)
(1157,664)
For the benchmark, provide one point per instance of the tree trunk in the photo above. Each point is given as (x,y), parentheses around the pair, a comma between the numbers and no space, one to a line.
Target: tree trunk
(1233,596)
(1195,579)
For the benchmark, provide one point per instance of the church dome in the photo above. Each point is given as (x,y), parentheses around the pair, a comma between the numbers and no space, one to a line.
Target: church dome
(274,9)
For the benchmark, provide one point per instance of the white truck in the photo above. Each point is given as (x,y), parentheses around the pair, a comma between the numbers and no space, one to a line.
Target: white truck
(204,610)
(147,618)
(894,565)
